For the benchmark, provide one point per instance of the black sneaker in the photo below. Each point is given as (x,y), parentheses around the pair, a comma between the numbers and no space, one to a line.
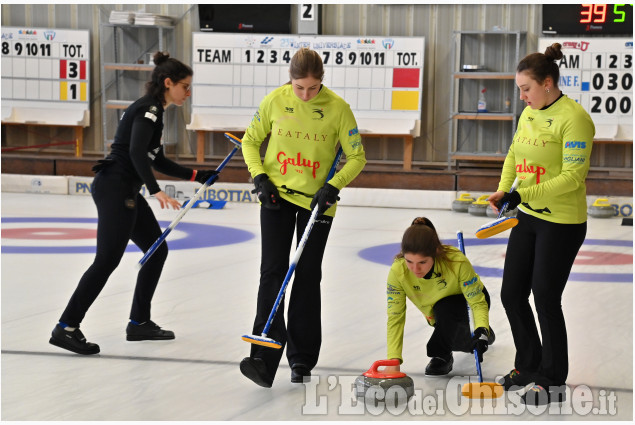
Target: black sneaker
(147,331)
(439,366)
(256,370)
(538,395)
(515,381)
(300,373)
(74,341)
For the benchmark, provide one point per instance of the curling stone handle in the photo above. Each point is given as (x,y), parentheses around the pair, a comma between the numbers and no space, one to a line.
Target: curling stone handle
(374,373)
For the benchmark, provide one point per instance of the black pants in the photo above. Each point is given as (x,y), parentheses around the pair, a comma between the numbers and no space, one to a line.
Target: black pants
(452,326)
(123,215)
(303,332)
(539,258)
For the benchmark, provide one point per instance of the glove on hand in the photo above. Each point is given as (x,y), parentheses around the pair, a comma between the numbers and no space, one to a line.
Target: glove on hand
(479,342)
(203,175)
(267,192)
(513,198)
(325,198)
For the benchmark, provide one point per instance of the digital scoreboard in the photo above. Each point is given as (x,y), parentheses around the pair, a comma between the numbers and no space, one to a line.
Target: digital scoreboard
(585,19)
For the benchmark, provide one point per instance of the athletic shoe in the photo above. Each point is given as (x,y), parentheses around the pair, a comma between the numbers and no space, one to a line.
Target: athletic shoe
(72,341)
(439,366)
(256,370)
(147,331)
(515,381)
(537,395)
(300,373)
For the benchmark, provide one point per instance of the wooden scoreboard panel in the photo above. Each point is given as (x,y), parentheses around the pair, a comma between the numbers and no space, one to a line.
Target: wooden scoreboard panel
(598,74)
(45,76)
(380,77)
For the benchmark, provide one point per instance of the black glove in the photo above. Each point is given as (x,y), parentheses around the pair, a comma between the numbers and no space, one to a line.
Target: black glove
(513,198)
(203,175)
(325,198)
(479,342)
(267,192)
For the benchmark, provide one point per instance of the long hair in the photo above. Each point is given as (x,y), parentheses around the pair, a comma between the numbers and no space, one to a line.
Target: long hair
(539,66)
(422,238)
(306,63)
(166,67)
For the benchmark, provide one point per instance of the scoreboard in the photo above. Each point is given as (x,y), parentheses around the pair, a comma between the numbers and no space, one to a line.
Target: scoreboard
(381,78)
(45,76)
(598,74)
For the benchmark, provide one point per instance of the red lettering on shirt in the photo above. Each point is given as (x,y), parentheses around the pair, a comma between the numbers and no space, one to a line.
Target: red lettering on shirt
(537,170)
(298,161)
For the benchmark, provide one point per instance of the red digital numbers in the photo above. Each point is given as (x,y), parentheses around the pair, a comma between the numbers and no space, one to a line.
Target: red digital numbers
(593,13)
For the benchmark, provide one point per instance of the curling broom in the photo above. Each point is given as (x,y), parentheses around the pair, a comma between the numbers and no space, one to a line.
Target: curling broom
(263,339)
(236,141)
(478,389)
(502,223)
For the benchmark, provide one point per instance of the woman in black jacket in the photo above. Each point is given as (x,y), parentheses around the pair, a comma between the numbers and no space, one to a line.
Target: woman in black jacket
(124,215)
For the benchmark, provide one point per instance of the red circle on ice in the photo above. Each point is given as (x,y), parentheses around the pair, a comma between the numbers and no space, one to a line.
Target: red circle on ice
(49,233)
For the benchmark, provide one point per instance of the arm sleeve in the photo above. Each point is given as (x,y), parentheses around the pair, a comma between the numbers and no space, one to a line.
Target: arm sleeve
(140,138)
(509,170)
(255,134)
(171,168)
(396,307)
(351,142)
(472,288)
(573,173)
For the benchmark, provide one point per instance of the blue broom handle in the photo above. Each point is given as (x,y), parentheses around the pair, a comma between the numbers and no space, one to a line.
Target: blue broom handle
(503,210)
(299,249)
(459,235)
(189,204)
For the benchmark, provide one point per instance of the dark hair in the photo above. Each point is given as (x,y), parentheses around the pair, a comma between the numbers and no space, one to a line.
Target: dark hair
(166,67)
(539,66)
(306,63)
(422,238)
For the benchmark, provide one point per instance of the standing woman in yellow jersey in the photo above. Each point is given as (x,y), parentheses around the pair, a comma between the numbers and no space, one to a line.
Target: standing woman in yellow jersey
(305,121)
(440,281)
(550,156)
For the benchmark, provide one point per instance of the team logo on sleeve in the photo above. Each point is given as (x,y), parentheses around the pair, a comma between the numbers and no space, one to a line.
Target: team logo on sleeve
(353,132)
(152,113)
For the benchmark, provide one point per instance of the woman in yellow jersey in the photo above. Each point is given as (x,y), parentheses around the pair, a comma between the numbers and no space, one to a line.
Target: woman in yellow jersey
(550,156)
(440,281)
(304,121)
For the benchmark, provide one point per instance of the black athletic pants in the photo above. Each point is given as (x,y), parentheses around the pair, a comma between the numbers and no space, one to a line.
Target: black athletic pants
(303,332)
(539,258)
(452,326)
(123,215)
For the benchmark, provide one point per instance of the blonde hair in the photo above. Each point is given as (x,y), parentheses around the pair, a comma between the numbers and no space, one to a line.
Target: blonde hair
(306,63)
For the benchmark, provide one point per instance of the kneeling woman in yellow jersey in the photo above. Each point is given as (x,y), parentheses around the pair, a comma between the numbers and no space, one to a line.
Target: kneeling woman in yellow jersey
(438,279)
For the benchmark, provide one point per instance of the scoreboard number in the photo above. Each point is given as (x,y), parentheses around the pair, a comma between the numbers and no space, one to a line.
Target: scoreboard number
(381,78)
(53,65)
(598,74)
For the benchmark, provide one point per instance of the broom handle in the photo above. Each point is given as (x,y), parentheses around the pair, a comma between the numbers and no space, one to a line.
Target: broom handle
(503,210)
(470,317)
